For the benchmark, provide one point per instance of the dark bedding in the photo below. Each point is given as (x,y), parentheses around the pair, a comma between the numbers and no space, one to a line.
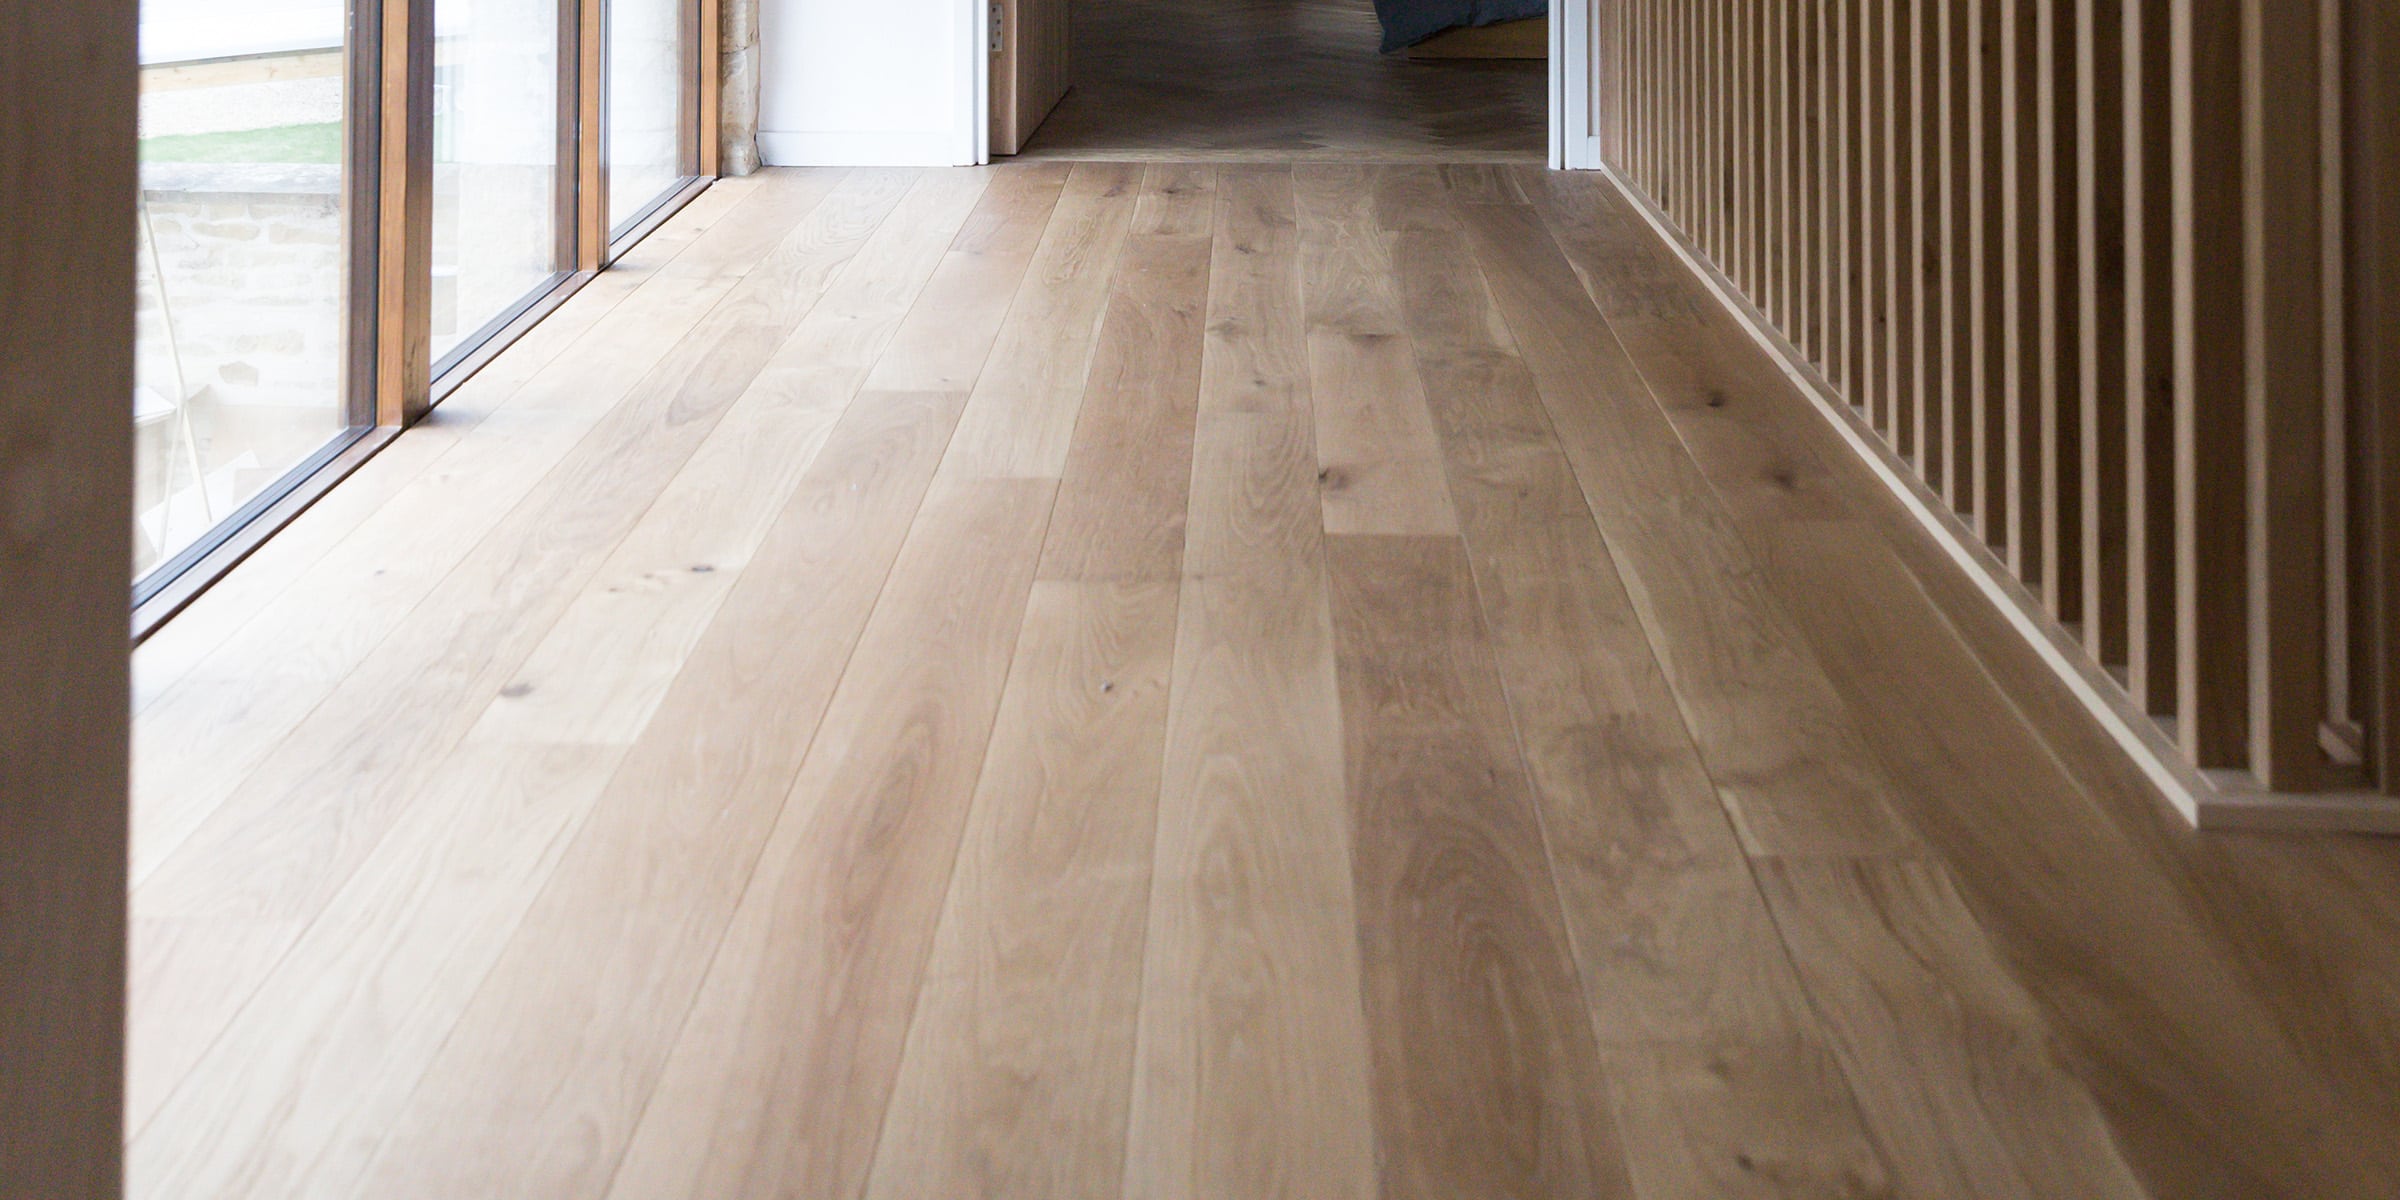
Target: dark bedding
(1407,22)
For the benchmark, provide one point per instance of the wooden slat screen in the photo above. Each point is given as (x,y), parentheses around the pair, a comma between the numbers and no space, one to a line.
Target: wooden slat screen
(2116,279)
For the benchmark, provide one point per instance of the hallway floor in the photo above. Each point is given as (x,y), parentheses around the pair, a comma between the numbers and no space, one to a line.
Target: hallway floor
(1281,79)
(1184,680)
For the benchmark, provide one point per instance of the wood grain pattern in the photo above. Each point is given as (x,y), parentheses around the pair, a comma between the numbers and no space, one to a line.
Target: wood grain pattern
(1018,1069)
(1127,478)
(474,629)
(656,884)
(1916,1000)
(1798,781)
(1689,985)
(1026,399)
(1251,1070)
(1379,464)
(788,1059)
(1487,1080)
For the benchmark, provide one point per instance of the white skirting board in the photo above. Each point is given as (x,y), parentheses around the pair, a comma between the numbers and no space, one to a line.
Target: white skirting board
(779,148)
(2208,799)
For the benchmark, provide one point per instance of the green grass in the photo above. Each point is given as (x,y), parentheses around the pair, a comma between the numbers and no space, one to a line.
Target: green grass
(281,144)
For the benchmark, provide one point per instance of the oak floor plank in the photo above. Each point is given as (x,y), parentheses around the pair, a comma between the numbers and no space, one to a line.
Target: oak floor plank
(600,672)
(1019,1061)
(1022,419)
(1487,1079)
(947,337)
(592,684)
(779,1082)
(294,1095)
(1251,1063)
(1380,467)
(339,1034)
(300,822)
(1793,765)
(1127,482)
(508,428)
(584,1001)
(1948,1055)
(1687,979)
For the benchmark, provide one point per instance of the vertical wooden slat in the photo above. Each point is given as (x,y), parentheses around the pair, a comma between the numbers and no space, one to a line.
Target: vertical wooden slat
(1870,106)
(1841,116)
(1712,116)
(1984,216)
(2020,251)
(1762,115)
(2211,600)
(1687,145)
(1800,52)
(2149,358)
(2284,401)
(1708,102)
(1926,174)
(1781,235)
(2060,307)
(1959,21)
(2100,309)
(1745,143)
(1823,168)
(1903,197)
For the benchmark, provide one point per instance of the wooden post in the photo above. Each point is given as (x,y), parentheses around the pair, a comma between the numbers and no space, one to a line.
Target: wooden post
(67,186)
(404,277)
(584,94)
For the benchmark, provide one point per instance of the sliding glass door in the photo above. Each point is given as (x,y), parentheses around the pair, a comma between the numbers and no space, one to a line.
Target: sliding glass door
(650,107)
(500,239)
(254,248)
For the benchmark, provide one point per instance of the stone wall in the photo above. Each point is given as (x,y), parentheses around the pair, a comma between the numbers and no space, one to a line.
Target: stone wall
(737,118)
(252,261)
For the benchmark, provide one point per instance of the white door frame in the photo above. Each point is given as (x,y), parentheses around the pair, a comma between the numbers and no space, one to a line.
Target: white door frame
(1574,145)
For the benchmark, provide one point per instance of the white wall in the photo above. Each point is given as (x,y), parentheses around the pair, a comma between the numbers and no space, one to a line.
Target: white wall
(868,82)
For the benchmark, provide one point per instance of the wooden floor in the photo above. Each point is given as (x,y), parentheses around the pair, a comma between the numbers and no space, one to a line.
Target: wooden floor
(1108,680)
(1280,80)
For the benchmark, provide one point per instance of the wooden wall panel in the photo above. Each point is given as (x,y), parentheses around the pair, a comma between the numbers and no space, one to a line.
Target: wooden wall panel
(67,127)
(2094,271)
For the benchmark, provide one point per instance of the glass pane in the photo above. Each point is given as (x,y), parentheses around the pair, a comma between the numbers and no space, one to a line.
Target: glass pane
(242,244)
(495,160)
(645,104)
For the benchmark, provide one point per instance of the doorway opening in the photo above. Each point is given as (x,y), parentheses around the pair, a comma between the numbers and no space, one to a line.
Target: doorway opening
(1367,80)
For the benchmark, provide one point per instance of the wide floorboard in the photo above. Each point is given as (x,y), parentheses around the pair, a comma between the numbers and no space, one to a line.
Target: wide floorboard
(1184,680)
